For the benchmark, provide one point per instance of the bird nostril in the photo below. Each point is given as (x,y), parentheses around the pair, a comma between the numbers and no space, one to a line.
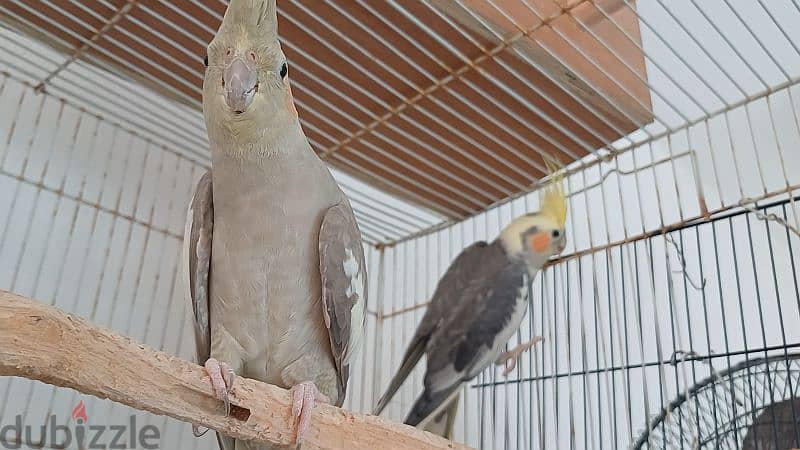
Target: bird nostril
(252,56)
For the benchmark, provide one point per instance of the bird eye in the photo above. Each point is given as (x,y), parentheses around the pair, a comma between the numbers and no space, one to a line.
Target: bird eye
(556,233)
(205,61)
(284,70)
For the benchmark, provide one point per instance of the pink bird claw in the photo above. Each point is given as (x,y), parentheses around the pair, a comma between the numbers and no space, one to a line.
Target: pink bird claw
(510,358)
(222,379)
(304,397)
(511,364)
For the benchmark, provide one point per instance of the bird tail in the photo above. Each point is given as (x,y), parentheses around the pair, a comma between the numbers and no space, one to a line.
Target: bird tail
(412,356)
(429,406)
(442,424)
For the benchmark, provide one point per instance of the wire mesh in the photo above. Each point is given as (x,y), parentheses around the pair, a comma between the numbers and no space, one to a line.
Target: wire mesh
(628,329)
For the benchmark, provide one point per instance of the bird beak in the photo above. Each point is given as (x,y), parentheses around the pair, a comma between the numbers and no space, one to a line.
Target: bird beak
(562,244)
(241,82)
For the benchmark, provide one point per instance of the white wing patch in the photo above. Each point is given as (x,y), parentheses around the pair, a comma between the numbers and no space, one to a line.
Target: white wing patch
(187,237)
(355,289)
(351,270)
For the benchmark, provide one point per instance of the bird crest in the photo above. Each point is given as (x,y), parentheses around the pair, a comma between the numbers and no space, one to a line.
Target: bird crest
(553,198)
(254,16)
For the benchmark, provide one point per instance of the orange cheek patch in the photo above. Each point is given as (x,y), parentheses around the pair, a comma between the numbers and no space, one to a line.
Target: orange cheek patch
(290,99)
(539,242)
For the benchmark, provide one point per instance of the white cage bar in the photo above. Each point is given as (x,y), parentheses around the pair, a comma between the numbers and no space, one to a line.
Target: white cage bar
(670,319)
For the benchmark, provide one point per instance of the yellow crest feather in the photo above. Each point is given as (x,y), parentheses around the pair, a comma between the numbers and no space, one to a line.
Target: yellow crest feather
(553,198)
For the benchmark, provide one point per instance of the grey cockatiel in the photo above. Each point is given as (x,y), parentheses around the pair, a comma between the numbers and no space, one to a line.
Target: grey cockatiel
(274,259)
(476,307)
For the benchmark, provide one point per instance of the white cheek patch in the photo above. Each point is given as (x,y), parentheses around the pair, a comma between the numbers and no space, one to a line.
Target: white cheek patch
(354,291)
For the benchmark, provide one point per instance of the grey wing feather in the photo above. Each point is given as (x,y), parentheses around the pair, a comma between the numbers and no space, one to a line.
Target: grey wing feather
(344,286)
(493,315)
(434,407)
(444,302)
(197,260)
(448,294)
(412,356)
(457,348)
(442,425)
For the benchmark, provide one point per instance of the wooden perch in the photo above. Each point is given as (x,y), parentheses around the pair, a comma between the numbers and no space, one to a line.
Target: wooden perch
(46,344)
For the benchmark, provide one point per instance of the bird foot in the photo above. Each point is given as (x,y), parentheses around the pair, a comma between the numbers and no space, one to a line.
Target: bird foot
(510,358)
(222,378)
(304,397)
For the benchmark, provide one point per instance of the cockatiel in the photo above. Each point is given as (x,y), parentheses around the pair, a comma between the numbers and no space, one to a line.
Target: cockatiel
(274,258)
(476,307)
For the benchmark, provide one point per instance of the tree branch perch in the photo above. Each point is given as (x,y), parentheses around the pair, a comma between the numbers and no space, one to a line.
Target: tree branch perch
(43,343)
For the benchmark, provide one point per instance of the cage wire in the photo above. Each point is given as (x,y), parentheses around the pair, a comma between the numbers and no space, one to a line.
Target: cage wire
(753,403)
(670,321)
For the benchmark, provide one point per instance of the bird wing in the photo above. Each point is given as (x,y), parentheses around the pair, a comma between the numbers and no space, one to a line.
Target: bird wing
(197,259)
(344,286)
(460,348)
(445,300)
(464,344)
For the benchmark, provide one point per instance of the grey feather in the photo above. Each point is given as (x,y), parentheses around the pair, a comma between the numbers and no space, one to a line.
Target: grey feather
(445,299)
(412,356)
(474,328)
(443,423)
(474,305)
(197,259)
(344,303)
(428,402)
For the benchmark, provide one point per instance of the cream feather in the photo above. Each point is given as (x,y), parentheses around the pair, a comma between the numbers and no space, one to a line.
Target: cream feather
(553,199)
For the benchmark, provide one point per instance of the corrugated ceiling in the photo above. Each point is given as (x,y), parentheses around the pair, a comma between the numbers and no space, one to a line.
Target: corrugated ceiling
(451,105)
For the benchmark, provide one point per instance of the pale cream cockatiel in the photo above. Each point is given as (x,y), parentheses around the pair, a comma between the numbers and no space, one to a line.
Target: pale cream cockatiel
(274,258)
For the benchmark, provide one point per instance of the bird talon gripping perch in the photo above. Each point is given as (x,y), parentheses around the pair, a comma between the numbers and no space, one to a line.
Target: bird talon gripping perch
(222,378)
(304,397)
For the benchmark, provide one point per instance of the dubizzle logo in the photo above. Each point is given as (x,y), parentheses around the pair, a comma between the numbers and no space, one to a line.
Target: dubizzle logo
(87,437)
(79,413)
